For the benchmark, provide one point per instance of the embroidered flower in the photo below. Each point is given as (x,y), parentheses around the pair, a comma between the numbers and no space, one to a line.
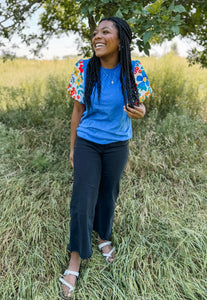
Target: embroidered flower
(78,79)
(137,70)
(75,71)
(81,66)
(73,92)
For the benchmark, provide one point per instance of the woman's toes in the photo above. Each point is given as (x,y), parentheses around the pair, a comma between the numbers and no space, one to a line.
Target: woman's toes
(106,250)
(69,294)
(110,259)
(71,279)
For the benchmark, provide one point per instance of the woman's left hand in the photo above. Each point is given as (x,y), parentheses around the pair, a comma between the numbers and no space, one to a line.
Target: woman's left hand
(137,112)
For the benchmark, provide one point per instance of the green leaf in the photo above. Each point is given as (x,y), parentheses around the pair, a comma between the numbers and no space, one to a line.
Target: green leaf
(90,9)
(179,8)
(97,18)
(165,18)
(140,45)
(119,13)
(138,10)
(6,33)
(126,10)
(175,29)
(171,7)
(132,20)
(105,1)
(155,7)
(146,48)
(147,36)
(177,17)
(84,10)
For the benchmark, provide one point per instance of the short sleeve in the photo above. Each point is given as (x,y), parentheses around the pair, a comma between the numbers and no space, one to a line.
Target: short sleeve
(142,82)
(76,84)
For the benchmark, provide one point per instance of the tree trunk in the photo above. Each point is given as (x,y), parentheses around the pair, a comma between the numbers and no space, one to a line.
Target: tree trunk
(92,25)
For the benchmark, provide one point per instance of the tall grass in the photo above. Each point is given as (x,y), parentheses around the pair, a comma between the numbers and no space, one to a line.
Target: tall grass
(20,71)
(177,86)
(160,221)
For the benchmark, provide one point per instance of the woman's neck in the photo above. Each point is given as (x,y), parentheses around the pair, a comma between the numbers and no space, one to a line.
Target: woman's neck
(109,63)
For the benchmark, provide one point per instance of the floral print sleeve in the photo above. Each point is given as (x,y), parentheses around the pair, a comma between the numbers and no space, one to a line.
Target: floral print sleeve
(76,84)
(142,82)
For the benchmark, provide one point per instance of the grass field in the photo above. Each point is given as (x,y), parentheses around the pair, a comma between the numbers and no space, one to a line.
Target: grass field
(160,228)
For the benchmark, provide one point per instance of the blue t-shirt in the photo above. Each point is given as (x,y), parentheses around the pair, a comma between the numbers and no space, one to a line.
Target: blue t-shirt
(106,121)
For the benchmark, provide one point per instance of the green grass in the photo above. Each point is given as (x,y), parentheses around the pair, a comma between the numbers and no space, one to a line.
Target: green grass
(160,231)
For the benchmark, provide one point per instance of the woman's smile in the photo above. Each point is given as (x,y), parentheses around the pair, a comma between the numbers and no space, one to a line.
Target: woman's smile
(99,45)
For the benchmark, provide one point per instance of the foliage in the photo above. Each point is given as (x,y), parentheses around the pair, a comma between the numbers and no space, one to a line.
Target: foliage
(146,19)
(150,21)
(194,27)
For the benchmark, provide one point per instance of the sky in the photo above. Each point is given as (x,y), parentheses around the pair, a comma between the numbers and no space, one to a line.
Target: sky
(67,46)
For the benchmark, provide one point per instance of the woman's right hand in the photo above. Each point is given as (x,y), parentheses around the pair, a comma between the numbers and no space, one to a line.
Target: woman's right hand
(71,158)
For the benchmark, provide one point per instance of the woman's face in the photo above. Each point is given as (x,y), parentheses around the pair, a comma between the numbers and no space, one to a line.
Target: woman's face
(105,41)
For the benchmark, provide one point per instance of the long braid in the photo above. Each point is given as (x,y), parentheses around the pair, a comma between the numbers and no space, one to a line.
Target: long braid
(128,84)
(92,79)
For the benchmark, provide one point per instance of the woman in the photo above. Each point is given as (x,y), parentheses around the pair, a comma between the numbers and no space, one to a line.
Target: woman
(108,90)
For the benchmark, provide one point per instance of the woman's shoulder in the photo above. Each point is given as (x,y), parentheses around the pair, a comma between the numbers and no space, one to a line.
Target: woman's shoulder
(81,64)
(136,63)
(81,61)
(137,66)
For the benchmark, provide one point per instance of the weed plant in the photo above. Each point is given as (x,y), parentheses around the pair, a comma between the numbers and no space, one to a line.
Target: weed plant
(160,231)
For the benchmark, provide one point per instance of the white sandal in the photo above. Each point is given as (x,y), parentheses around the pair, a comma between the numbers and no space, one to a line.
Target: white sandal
(71,288)
(106,255)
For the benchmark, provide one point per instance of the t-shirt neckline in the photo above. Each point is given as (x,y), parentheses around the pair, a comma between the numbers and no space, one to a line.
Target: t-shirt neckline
(113,69)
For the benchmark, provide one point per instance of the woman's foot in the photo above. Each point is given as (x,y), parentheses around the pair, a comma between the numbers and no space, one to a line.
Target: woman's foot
(74,266)
(106,249)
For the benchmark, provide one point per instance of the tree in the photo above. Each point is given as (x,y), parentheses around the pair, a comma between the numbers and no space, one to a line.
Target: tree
(150,21)
(195,27)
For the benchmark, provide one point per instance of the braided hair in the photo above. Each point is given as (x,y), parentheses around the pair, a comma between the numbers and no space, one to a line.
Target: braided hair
(128,85)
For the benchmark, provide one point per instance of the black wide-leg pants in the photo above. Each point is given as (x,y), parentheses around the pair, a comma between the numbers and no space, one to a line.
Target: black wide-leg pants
(97,172)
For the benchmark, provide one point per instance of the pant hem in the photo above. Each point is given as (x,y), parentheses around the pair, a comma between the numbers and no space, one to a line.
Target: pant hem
(103,238)
(82,257)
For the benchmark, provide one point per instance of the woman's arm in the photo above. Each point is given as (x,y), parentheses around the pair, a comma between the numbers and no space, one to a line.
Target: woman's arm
(78,110)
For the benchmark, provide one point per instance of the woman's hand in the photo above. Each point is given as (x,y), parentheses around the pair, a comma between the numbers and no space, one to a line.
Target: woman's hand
(137,112)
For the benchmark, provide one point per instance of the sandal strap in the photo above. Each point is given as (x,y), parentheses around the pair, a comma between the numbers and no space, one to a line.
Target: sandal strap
(108,255)
(68,272)
(71,288)
(104,244)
